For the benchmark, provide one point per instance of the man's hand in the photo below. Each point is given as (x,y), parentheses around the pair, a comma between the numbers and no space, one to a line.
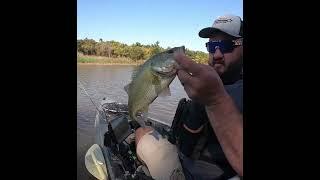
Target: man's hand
(201,82)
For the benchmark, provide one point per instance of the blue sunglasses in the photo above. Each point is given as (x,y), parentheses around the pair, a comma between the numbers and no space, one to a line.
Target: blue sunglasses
(225,46)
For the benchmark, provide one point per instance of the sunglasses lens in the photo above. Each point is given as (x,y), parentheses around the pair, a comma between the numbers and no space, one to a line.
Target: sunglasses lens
(224,46)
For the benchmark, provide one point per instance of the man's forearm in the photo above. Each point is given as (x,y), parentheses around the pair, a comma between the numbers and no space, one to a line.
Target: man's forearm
(226,121)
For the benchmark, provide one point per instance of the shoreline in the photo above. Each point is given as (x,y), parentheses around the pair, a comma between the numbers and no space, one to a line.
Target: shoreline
(108,64)
(101,60)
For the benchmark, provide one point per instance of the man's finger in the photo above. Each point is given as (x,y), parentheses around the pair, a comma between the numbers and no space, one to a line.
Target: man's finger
(186,63)
(185,78)
(190,92)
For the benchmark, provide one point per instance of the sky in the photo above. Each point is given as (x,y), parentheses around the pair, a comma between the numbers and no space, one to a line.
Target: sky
(171,22)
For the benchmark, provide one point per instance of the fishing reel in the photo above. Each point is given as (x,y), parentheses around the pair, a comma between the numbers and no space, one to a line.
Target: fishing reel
(119,129)
(121,140)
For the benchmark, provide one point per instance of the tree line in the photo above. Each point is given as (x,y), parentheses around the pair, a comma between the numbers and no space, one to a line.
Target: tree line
(136,51)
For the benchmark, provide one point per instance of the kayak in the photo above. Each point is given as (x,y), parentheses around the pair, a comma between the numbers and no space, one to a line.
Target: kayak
(113,155)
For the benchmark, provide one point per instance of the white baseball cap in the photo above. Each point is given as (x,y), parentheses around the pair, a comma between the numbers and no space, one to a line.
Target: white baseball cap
(229,24)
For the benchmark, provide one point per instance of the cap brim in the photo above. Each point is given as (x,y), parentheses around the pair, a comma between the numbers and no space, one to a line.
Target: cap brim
(210,31)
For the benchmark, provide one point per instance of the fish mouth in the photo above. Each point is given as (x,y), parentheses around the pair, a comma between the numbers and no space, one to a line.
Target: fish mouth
(165,71)
(170,72)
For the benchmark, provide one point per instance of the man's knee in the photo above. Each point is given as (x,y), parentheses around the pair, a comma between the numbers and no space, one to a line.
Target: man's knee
(158,154)
(140,132)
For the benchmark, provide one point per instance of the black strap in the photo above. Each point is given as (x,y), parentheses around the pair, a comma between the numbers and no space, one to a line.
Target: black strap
(177,120)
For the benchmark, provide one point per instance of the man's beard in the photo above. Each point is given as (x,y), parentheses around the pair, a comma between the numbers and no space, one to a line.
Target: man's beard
(233,74)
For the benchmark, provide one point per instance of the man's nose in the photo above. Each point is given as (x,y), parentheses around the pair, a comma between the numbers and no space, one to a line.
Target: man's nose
(217,54)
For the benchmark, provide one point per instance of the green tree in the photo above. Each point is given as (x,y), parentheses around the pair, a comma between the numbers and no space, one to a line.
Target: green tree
(87,46)
(155,48)
(103,49)
(136,53)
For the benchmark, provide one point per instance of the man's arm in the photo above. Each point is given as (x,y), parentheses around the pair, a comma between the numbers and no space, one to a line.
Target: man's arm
(226,120)
(203,84)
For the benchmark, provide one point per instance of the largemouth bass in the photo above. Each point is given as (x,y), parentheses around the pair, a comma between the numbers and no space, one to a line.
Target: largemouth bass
(149,81)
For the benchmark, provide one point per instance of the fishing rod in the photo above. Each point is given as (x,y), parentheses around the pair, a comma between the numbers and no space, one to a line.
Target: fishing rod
(99,110)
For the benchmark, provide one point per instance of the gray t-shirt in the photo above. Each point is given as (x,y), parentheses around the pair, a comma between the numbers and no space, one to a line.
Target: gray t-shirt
(216,154)
(236,92)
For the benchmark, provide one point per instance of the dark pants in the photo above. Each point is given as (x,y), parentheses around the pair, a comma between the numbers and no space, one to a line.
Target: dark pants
(200,170)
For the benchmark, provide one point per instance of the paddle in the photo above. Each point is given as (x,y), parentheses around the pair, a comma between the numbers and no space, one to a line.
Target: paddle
(95,163)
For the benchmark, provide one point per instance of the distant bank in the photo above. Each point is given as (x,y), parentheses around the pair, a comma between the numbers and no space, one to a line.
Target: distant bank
(101,60)
(113,52)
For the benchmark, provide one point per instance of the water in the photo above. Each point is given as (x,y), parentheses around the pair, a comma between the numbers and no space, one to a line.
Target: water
(108,81)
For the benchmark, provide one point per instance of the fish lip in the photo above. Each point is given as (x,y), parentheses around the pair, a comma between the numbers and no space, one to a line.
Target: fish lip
(170,73)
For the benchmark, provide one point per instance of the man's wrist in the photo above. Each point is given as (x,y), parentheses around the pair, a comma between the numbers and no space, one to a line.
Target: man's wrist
(218,100)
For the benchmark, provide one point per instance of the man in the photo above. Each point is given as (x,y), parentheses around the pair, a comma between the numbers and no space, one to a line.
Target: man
(216,93)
